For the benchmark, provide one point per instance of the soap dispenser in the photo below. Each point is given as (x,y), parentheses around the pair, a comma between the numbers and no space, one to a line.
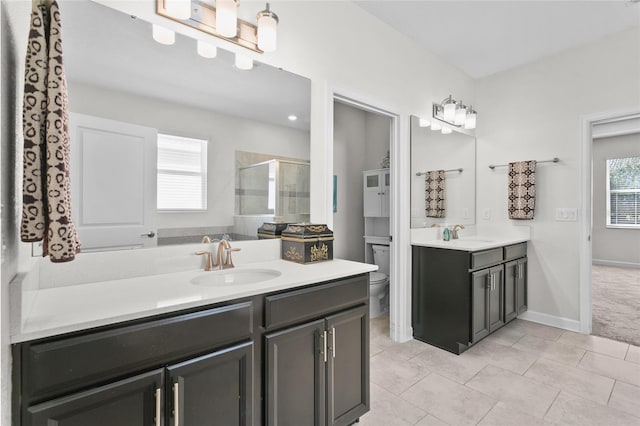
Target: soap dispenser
(446,234)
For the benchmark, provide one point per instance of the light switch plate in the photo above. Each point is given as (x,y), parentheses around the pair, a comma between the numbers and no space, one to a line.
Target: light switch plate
(566,214)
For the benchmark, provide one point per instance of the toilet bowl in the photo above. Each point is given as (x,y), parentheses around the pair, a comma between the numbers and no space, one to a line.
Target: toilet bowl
(379,282)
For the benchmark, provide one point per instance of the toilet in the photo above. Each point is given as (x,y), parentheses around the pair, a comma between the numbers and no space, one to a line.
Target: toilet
(379,282)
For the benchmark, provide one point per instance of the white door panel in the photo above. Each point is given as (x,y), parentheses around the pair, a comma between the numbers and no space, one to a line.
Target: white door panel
(113,183)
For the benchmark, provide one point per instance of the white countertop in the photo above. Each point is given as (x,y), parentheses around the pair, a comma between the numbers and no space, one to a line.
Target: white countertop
(469,244)
(52,311)
(474,238)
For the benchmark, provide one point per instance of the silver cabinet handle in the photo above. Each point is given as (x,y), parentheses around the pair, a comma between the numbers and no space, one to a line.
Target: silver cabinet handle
(521,270)
(176,404)
(333,342)
(324,341)
(149,234)
(158,404)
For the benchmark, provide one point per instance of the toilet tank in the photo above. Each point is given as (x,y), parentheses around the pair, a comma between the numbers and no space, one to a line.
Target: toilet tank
(381,257)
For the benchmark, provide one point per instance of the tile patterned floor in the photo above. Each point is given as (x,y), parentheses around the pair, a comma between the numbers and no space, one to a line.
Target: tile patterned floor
(524,374)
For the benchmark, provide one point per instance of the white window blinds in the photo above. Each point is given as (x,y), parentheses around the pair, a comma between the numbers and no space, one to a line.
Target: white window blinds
(623,192)
(182,173)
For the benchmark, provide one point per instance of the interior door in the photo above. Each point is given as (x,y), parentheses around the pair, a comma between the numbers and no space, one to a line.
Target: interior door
(113,183)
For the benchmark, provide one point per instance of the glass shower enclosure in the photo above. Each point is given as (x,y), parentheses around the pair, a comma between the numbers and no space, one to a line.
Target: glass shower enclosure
(276,187)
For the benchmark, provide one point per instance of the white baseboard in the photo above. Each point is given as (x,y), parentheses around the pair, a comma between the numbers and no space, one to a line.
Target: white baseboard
(551,320)
(615,263)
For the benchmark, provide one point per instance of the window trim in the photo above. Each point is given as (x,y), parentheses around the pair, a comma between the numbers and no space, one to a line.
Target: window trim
(204,174)
(608,192)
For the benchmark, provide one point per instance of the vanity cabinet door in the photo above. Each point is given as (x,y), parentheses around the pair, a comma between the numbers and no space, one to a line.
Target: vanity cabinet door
(481,289)
(295,375)
(135,401)
(510,299)
(377,193)
(521,285)
(215,389)
(496,298)
(347,366)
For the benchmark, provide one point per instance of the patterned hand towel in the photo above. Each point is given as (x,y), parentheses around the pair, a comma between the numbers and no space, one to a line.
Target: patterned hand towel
(435,188)
(46,210)
(522,189)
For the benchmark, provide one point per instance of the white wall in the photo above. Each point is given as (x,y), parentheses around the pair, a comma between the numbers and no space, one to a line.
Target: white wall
(431,150)
(377,138)
(615,245)
(226,134)
(534,112)
(349,139)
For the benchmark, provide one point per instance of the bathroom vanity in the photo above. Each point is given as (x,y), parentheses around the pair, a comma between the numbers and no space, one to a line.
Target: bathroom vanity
(295,352)
(463,290)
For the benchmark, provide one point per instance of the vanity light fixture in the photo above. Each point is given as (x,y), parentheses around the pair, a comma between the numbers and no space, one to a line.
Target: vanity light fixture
(163,35)
(446,130)
(424,122)
(243,62)
(454,113)
(436,126)
(292,117)
(222,21)
(207,50)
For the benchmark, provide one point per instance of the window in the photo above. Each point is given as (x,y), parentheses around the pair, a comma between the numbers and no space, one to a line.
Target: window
(182,173)
(623,192)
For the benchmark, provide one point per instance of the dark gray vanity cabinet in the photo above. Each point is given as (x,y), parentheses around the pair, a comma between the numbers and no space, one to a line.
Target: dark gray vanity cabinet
(309,347)
(317,372)
(460,297)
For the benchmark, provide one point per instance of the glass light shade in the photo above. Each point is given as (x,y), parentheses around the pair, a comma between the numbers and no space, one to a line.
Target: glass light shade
(179,9)
(446,130)
(267,33)
(461,114)
(424,122)
(436,126)
(163,35)
(227,18)
(207,50)
(470,121)
(243,63)
(449,112)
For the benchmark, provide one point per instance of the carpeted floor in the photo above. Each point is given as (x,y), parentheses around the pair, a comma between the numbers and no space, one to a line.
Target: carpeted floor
(616,303)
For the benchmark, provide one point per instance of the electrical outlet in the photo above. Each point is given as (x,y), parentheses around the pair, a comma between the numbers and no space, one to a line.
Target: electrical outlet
(566,214)
(486,214)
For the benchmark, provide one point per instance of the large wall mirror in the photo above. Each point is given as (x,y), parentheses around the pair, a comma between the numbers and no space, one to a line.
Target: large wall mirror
(432,151)
(169,146)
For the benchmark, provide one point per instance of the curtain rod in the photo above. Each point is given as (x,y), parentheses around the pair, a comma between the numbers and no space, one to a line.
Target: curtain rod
(554,160)
(450,170)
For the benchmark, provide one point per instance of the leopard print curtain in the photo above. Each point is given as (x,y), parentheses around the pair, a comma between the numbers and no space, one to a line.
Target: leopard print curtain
(46,211)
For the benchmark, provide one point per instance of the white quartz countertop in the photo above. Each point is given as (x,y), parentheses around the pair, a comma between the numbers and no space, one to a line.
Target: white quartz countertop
(54,311)
(469,244)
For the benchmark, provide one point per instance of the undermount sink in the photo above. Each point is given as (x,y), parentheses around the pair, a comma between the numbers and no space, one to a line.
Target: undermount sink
(234,277)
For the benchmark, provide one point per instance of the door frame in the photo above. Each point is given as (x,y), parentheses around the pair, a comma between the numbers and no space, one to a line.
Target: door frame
(586,203)
(399,290)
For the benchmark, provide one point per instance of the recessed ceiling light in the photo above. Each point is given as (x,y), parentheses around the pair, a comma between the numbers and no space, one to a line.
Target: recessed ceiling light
(292,117)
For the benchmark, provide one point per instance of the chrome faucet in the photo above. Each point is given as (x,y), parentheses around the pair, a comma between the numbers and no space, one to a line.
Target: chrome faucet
(454,232)
(224,246)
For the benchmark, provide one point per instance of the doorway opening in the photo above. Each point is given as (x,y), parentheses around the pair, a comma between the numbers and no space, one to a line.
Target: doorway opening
(363,212)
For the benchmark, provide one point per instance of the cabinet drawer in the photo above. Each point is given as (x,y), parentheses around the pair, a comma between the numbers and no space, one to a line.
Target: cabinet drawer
(311,302)
(515,251)
(486,258)
(58,367)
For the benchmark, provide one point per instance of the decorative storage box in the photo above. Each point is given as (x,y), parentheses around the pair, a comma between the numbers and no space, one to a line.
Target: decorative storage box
(307,243)
(271,230)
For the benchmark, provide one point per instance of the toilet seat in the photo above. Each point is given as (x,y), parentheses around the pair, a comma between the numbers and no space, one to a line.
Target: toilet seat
(377,278)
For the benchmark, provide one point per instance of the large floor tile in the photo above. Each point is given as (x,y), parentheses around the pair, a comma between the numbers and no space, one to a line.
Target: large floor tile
(579,382)
(429,420)
(633,354)
(501,356)
(626,398)
(569,409)
(506,336)
(559,352)
(535,329)
(449,401)
(597,344)
(502,415)
(395,375)
(454,367)
(401,351)
(517,392)
(614,368)
(388,409)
